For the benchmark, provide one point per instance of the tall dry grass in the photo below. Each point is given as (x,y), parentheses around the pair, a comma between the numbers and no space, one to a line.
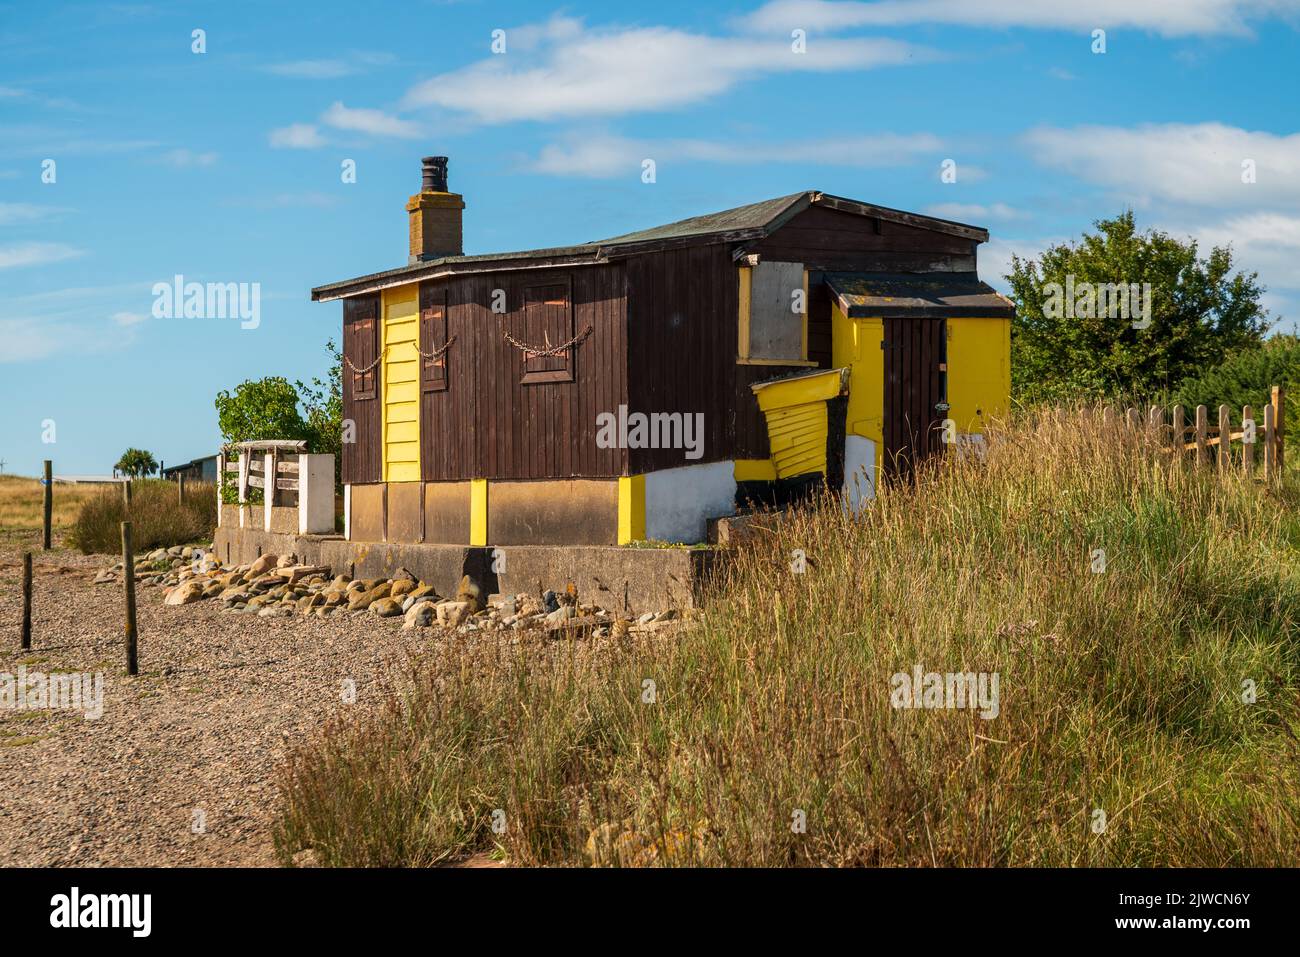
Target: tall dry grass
(22,502)
(157,516)
(1120,691)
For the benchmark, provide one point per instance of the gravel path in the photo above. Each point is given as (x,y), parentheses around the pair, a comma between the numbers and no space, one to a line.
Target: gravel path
(199,734)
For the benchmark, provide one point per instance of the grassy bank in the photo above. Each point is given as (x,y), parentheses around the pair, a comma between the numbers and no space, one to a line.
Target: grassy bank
(158,517)
(1121,691)
(22,502)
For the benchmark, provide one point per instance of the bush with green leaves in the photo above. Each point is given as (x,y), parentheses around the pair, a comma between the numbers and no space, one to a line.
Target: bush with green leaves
(1201,312)
(1244,379)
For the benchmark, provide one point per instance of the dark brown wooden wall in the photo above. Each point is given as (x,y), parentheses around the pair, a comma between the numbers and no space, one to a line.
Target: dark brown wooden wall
(361,459)
(822,238)
(487,423)
(682,345)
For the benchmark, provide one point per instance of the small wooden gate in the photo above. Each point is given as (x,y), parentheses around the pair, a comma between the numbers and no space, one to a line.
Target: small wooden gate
(915,393)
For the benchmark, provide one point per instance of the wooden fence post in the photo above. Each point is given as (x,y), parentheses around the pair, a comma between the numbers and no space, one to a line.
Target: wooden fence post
(48,505)
(126,492)
(1179,429)
(180,488)
(1247,448)
(27,601)
(1202,419)
(1131,418)
(1279,426)
(128,572)
(1270,447)
(1225,439)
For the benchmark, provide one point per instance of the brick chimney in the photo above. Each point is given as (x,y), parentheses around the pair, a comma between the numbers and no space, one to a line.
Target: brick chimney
(435,214)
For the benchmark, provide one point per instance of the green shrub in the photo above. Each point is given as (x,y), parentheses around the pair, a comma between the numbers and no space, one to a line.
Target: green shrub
(157,517)
(1244,379)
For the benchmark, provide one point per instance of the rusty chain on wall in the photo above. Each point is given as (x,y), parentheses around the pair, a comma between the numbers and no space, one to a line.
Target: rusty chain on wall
(547,350)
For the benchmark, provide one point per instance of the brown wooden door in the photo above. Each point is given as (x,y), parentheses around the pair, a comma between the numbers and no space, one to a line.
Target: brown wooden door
(914,393)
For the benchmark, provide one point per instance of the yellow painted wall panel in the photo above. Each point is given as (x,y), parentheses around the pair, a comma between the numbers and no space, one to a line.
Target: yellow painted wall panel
(401,406)
(404,432)
(856,343)
(979,371)
(399,393)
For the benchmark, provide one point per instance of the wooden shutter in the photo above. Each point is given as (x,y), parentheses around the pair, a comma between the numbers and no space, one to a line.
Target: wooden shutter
(362,349)
(433,337)
(548,321)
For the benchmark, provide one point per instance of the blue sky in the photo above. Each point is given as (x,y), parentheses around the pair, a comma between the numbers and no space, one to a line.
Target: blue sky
(225,166)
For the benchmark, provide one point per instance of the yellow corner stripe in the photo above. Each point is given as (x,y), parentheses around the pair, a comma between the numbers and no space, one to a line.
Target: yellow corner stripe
(478,511)
(631,509)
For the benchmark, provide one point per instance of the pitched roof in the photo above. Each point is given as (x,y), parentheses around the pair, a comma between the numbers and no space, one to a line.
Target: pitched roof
(921,295)
(753,221)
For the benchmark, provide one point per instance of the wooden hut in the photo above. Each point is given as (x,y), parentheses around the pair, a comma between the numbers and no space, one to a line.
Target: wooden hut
(635,387)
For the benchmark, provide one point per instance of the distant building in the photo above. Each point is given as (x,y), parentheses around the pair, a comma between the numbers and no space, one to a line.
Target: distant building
(196,470)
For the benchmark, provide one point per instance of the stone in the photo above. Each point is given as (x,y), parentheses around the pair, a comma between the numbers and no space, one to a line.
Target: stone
(184,594)
(286,561)
(452,613)
(363,600)
(549,601)
(402,586)
(420,615)
(212,589)
(386,607)
(506,607)
(105,577)
(528,607)
(275,611)
(176,551)
(470,593)
(157,555)
(557,618)
(403,575)
(262,565)
(646,618)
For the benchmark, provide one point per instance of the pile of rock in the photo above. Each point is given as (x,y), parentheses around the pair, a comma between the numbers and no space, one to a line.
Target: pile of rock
(276,586)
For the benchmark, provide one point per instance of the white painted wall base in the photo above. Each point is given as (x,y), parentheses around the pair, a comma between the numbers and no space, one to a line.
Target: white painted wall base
(678,502)
(315,494)
(347,512)
(859,472)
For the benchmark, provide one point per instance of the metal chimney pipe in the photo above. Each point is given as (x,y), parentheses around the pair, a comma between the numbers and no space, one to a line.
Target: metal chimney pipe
(434,170)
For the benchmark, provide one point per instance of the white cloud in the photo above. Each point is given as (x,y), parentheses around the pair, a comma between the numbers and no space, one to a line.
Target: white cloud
(313,69)
(374,122)
(1166,17)
(297,136)
(970,212)
(11,213)
(35,254)
(184,158)
(610,156)
(562,69)
(29,339)
(1198,164)
(129,318)
(1264,242)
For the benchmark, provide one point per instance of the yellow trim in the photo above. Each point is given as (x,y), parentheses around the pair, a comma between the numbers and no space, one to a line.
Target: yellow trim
(631,509)
(478,511)
(400,419)
(754,470)
(785,393)
(746,286)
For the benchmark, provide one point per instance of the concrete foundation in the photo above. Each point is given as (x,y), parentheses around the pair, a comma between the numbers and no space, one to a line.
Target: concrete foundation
(632,580)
